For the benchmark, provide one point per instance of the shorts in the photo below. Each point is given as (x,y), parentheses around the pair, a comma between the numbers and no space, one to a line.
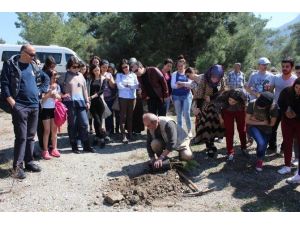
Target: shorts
(47,114)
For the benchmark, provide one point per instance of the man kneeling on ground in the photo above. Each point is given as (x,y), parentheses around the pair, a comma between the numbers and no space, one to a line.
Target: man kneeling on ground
(164,136)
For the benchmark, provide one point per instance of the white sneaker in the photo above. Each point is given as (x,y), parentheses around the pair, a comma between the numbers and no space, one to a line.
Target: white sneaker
(190,134)
(294,180)
(284,170)
(295,162)
(230,157)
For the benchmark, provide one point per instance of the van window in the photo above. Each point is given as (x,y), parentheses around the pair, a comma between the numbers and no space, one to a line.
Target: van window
(68,56)
(7,54)
(43,55)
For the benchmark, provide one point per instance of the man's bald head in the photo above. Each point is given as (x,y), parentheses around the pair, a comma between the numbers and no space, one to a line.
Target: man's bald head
(27,53)
(150,121)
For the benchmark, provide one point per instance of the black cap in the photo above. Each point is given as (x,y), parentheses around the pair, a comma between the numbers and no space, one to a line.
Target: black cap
(265,99)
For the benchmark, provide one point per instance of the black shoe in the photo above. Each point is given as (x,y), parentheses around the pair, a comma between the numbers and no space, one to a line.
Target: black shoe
(102,143)
(33,167)
(75,149)
(87,147)
(18,173)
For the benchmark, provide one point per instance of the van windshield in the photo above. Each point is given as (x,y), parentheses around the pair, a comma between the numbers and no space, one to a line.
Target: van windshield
(68,56)
(42,56)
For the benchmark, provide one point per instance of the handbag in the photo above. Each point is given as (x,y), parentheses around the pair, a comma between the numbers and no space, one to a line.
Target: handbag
(116,106)
(107,111)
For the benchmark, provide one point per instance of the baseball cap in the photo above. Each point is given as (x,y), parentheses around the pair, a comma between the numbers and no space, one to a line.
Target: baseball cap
(263,61)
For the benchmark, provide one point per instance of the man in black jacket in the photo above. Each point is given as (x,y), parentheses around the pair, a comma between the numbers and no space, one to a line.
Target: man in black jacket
(154,87)
(22,84)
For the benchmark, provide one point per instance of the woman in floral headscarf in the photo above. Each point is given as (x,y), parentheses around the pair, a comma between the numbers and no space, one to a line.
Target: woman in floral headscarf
(208,126)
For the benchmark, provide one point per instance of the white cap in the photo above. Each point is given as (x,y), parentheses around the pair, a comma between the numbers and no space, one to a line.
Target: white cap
(263,61)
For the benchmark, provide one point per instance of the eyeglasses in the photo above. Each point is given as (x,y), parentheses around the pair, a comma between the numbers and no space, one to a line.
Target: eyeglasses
(75,67)
(30,54)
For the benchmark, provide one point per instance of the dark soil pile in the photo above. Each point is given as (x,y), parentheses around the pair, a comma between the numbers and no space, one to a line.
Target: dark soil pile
(144,189)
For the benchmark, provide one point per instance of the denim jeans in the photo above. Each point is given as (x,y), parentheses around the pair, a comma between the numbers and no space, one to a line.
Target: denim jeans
(182,106)
(77,124)
(261,140)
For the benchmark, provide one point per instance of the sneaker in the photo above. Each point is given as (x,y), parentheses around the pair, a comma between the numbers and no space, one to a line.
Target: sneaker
(55,153)
(190,134)
(45,155)
(33,167)
(18,173)
(295,162)
(91,131)
(125,140)
(259,165)
(294,180)
(284,170)
(230,157)
(249,142)
(219,140)
(75,149)
(107,139)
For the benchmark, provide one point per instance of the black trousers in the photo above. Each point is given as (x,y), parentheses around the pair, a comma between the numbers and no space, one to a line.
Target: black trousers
(157,107)
(97,110)
(25,125)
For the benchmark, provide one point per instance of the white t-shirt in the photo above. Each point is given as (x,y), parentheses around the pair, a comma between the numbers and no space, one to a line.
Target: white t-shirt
(280,84)
(49,103)
(257,81)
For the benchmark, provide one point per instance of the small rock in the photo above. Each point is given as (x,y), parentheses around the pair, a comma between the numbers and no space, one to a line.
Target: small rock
(134,200)
(95,203)
(113,197)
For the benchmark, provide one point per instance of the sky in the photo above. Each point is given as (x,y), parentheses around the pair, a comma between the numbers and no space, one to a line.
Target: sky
(10,33)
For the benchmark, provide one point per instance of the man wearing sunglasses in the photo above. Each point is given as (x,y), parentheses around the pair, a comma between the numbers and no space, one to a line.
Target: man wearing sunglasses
(22,84)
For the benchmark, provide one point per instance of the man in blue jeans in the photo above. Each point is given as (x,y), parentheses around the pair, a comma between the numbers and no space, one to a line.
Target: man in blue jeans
(22,84)
(260,118)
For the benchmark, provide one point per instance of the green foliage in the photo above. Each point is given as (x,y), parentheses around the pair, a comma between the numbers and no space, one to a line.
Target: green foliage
(53,29)
(203,38)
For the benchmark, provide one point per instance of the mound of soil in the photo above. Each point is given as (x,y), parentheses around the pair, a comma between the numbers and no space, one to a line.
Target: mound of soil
(144,189)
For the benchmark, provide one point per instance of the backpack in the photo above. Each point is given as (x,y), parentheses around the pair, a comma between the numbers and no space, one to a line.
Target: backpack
(60,114)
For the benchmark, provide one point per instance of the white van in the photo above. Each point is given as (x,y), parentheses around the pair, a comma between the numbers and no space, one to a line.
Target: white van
(60,54)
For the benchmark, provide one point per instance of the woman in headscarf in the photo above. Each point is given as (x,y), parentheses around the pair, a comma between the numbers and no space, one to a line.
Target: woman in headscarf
(208,127)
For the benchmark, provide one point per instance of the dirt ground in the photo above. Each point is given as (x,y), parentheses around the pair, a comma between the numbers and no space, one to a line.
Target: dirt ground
(80,182)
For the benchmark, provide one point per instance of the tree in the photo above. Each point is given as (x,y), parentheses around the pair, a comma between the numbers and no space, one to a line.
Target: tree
(2,41)
(53,28)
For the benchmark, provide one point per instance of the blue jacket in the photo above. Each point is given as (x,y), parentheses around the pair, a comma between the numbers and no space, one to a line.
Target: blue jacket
(11,78)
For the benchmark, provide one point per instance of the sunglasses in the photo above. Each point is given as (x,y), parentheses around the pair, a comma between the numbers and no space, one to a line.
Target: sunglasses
(124,67)
(75,67)
(30,54)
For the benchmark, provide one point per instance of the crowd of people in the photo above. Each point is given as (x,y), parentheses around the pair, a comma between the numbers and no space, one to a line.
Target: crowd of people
(106,99)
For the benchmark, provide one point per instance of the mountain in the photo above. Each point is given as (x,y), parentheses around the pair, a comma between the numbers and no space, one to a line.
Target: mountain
(284,30)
